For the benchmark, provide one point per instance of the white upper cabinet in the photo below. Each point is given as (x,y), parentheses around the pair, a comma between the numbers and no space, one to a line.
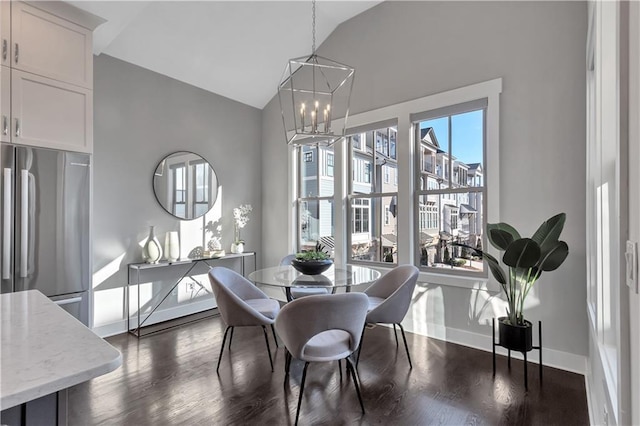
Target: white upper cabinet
(5,104)
(46,90)
(48,113)
(5,32)
(49,46)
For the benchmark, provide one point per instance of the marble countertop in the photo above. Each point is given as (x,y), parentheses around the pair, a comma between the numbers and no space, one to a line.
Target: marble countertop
(43,349)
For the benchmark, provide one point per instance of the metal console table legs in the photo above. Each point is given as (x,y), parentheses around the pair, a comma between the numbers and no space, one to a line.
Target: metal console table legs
(524,353)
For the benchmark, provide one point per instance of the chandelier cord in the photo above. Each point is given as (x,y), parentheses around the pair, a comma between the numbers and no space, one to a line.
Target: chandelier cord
(313,27)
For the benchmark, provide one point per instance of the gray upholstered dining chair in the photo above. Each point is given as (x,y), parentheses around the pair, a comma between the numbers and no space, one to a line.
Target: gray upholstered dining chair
(298,292)
(241,304)
(389,300)
(322,328)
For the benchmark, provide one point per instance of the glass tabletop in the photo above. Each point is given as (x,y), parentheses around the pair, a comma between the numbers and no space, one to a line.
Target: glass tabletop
(336,276)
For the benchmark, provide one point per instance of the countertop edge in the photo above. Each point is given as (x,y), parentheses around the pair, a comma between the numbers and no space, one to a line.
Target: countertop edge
(27,395)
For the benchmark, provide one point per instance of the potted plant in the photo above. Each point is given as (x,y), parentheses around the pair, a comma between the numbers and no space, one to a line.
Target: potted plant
(312,262)
(240,220)
(525,260)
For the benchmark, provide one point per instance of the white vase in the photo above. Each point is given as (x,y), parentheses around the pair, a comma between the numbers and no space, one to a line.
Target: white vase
(237,248)
(152,252)
(172,246)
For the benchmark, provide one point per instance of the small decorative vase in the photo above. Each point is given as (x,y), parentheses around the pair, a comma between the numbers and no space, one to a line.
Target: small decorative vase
(152,252)
(237,247)
(172,246)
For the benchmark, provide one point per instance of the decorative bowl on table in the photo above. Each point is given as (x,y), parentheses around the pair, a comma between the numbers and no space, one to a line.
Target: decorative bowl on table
(311,267)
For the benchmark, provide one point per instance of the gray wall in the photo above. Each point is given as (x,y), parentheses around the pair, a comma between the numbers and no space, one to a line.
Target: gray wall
(406,50)
(140,117)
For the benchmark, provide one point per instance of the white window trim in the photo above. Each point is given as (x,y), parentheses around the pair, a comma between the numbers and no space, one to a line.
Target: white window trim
(405,146)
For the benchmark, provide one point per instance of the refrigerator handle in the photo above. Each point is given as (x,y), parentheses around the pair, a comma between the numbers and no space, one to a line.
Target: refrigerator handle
(68,301)
(6,225)
(24,222)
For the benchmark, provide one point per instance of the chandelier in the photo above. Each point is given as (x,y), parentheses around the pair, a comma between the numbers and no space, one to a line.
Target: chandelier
(314,96)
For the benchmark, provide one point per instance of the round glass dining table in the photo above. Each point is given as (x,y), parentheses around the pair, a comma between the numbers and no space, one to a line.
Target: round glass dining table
(336,276)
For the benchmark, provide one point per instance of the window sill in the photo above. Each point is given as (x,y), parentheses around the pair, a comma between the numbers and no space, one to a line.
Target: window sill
(453,280)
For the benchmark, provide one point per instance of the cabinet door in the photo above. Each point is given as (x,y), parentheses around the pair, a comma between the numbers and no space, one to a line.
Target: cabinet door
(49,46)
(5,32)
(50,114)
(5,103)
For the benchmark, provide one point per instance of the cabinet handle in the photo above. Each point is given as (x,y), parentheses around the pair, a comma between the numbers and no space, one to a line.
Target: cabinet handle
(17,52)
(5,125)
(4,49)
(17,128)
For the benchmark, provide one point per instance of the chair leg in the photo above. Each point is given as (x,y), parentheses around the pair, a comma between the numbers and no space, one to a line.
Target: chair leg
(304,377)
(340,368)
(275,339)
(406,346)
(287,364)
(395,332)
(360,346)
(231,337)
(354,375)
(266,339)
(224,340)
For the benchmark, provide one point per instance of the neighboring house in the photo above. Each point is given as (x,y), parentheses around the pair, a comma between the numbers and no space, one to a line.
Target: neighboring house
(446,217)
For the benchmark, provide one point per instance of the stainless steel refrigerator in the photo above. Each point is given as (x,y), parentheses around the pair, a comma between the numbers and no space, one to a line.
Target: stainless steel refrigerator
(45,240)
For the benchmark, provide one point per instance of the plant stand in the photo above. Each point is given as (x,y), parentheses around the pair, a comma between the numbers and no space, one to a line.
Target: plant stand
(524,353)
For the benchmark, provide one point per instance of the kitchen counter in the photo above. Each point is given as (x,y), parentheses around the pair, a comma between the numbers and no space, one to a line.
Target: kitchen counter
(45,350)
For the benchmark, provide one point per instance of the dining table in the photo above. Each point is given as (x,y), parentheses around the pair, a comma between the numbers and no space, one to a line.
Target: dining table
(337,276)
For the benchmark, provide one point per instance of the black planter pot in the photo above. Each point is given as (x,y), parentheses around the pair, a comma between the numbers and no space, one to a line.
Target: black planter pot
(515,337)
(311,267)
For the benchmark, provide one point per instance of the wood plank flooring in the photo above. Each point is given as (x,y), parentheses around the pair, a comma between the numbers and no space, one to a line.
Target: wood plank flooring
(170,379)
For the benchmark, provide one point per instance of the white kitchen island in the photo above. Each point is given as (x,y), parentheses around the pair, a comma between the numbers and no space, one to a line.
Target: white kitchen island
(44,351)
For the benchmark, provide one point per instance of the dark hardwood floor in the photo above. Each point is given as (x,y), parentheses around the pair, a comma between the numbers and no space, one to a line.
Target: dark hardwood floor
(170,378)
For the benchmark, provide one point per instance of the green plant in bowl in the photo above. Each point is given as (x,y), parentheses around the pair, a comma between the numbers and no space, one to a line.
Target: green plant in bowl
(318,253)
(312,262)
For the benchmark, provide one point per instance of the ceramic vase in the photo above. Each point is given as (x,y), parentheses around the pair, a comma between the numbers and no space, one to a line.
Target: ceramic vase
(171,246)
(237,247)
(152,252)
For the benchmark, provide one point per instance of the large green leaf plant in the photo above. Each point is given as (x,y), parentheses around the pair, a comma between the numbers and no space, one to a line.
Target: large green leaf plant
(525,259)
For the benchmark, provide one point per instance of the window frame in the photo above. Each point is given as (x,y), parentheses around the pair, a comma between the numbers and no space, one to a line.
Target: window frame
(451,178)
(377,149)
(400,114)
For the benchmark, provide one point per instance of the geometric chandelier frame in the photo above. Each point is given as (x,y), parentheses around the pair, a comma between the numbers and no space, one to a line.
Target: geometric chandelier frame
(314,93)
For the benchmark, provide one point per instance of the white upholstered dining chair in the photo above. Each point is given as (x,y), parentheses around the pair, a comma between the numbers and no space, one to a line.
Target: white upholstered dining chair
(389,300)
(241,304)
(322,328)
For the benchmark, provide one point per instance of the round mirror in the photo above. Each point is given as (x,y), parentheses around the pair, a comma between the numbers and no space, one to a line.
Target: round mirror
(185,185)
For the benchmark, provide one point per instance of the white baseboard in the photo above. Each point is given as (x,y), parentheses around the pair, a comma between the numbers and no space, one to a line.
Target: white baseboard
(120,326)
(590,405)
(550,357)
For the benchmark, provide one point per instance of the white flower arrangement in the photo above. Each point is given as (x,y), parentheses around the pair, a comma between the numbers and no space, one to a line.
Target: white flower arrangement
(240,219)
(241,215)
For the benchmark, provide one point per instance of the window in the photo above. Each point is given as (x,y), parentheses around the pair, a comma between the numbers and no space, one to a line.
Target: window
(315,221)
(329,165)
(179,181)
(360,216)
(202,180)
(453,174)
(373,196)
(451,143)
(361,171)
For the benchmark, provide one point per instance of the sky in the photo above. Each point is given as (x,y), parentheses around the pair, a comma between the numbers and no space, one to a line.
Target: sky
(467,135)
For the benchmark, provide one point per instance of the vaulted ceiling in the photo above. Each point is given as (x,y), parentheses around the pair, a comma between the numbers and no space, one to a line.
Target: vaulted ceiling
(237,49)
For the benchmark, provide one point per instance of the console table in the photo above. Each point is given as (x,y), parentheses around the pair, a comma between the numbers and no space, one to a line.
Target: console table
(140,273)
